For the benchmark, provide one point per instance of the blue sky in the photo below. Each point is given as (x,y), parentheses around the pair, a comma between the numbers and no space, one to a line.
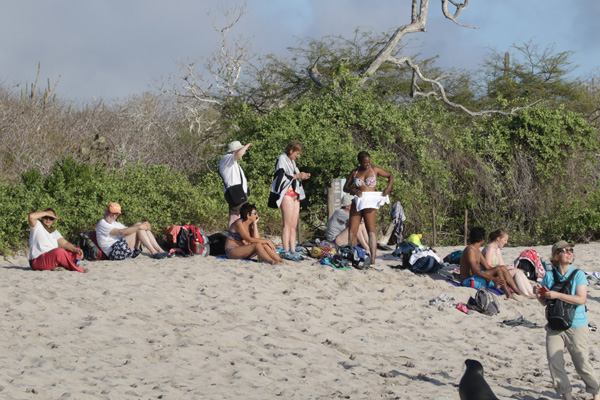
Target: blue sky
(111,49)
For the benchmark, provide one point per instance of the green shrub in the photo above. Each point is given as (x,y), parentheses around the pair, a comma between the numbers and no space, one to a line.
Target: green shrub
(79,194)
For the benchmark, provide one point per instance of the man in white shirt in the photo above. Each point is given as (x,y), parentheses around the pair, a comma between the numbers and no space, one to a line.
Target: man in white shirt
(233,175)
(47,247)
(119,242)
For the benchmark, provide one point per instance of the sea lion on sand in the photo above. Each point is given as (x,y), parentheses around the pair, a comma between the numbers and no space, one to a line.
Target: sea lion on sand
(473,386)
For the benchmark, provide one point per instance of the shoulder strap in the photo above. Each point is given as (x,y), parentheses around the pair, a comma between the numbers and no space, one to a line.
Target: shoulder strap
(575,271)
(566,282)
(556,277)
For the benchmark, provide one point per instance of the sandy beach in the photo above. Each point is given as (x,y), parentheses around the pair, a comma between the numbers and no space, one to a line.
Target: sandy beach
(205,328)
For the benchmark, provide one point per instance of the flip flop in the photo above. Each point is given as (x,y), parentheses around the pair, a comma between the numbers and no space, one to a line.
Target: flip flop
(160,256)
(520,321)
(462,307)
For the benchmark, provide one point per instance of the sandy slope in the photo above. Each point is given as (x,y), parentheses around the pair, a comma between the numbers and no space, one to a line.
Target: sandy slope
(190,328)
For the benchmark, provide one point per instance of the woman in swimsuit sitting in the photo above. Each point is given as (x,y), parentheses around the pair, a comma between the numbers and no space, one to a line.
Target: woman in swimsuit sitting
(244,241)
(497,240)
(361,183)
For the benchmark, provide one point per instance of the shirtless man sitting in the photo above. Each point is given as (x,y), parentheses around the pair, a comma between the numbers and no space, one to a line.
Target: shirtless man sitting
(476,272)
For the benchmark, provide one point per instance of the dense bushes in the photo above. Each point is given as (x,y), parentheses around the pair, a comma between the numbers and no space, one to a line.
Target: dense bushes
(79,193)
(534,173)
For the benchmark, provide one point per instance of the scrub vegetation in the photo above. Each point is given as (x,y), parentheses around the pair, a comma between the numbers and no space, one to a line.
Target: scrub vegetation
(533,171)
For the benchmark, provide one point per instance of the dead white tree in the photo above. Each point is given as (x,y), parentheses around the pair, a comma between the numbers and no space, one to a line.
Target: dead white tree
(209,82)
(420,9)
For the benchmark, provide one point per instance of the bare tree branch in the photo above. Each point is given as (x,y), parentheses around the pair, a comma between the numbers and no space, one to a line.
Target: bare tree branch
(459,8)
(439,91)
(197,92)
(314,74)
(418,22)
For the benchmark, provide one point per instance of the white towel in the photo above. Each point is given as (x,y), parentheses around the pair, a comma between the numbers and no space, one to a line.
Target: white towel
(370,200)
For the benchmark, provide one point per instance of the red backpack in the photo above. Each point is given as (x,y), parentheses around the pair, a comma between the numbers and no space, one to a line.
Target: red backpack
(190,239)
(530,263)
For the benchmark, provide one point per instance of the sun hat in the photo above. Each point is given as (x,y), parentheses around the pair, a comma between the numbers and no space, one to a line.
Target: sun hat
(234,146)
(114,208)
(347,200)
(561,244)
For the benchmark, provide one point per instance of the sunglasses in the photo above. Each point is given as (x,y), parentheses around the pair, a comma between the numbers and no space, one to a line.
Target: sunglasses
(567,251)
(50,218)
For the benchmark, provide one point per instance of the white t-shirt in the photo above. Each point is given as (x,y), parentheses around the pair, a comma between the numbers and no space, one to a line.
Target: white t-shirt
(231,172)
(103,236)
(41,241)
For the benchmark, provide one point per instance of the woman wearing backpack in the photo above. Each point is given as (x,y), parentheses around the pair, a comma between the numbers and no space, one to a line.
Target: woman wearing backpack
(575,338)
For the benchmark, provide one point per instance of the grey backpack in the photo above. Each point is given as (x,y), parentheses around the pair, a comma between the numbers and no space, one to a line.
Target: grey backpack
(484,302)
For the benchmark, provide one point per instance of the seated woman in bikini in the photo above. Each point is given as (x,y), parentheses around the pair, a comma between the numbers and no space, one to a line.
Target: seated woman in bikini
(244,241)
(497,240)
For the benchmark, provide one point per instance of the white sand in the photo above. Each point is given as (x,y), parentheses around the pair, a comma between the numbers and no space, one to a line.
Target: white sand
(191,328)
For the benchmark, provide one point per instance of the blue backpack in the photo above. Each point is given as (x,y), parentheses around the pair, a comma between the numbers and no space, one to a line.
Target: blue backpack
(425,265)
(454,257)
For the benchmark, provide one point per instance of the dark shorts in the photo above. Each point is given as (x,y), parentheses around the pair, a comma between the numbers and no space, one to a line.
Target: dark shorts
(121,251)
(235,210)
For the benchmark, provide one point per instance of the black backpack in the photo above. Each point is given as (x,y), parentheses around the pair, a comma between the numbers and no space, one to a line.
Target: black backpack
(357,256)
(217,243)
(558,313)
(404,251)
(528,269)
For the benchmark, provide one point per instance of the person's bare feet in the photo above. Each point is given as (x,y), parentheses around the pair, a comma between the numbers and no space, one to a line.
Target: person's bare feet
(510,296)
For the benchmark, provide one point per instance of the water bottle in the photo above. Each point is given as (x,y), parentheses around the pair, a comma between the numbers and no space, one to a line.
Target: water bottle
(196,247)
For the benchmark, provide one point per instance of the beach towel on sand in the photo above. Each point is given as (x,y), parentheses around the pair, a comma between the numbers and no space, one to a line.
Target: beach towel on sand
(224,257)
(497,291)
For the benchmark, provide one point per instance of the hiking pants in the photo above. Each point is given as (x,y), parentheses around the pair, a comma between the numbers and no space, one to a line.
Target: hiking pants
(575,340)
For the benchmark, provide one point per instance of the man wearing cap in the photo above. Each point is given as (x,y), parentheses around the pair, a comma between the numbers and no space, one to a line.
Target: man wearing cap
(233,176)
(47,248)
(337,226)
(120,242)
